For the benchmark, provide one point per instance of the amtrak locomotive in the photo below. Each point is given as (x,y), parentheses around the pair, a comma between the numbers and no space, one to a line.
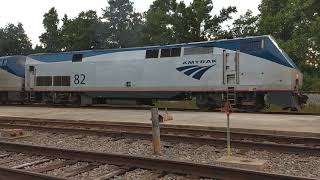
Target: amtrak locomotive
(250,72)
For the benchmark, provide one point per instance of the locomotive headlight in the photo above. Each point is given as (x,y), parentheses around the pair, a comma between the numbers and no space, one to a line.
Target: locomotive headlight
(297,80)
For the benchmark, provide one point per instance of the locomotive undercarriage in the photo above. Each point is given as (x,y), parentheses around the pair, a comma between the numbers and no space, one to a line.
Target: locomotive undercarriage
(247,101)
(9,97)
(243,101)
(252,101)
(80,99)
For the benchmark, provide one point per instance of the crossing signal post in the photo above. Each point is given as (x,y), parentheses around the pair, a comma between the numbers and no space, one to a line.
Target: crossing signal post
(228,110)
(237,161)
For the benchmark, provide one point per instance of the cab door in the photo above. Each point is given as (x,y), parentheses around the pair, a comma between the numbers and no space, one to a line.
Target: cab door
(31,77)
(230,68)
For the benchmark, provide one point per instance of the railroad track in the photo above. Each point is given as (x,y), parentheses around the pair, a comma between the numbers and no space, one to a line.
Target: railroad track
(75,163)
(287,142)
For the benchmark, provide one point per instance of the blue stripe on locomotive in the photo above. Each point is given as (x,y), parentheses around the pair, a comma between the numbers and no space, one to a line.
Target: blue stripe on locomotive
(271,51)
(14,65)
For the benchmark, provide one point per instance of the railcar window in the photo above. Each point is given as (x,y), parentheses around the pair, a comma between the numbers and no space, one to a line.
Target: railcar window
(198,50)
(57,81)
(61,81)
(154,53)
(77,58)
(44,81)
(171,52)
(253,45)
(65,81)
(165,52)
(31,68)
(175,52)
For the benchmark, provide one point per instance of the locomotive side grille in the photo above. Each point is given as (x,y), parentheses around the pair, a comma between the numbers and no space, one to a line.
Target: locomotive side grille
(44,81)
(61,81)
(198,50)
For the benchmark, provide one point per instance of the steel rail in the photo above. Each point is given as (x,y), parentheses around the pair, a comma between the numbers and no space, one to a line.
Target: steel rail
(263,135)
(146,134)
(202,170)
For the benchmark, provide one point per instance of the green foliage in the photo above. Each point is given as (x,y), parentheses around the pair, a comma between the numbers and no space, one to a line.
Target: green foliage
(80,33)
(159,22)
(245,26)
(309,108)
(295,24)
(311,82)
(170,22)
(14,41)
(123,26)
(51,39)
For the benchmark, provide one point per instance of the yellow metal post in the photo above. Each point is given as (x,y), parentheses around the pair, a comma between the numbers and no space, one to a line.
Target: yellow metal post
(155,130)
(228,135)
(228,110)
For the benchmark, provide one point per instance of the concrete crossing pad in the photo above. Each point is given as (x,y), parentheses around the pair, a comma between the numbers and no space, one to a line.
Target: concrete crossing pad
(297,123)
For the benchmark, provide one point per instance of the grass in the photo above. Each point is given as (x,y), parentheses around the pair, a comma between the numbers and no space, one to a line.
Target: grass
(191,105)
(311,108)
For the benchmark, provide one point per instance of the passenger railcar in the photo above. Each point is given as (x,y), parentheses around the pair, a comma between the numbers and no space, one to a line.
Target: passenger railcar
(249,72)
(12,78)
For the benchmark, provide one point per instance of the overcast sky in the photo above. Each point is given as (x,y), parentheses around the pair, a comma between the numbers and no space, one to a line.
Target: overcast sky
(30,12)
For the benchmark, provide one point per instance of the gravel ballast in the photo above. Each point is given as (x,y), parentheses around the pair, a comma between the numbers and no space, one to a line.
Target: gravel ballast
(103,169)
(283,163)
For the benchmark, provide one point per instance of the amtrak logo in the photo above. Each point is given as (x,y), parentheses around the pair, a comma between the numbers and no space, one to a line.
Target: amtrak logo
(196,72)
(213,61)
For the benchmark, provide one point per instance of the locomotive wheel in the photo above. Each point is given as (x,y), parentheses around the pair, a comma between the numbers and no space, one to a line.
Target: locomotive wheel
(203,107)
(202,102)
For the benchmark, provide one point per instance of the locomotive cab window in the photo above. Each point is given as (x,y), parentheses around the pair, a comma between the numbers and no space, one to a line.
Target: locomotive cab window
(77,58)
(153,53)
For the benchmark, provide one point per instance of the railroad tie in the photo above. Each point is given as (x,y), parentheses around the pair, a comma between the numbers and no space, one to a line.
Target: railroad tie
(54,166)
(80,170)
(116,172)
(30,164)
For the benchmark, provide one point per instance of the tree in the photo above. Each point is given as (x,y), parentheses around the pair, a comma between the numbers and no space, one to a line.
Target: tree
(51,39)
(213,29)
(295,25)
(38,49)
(80,33)
(170,22)
(160,20)
(14,41)
(123,26)
(245,26)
